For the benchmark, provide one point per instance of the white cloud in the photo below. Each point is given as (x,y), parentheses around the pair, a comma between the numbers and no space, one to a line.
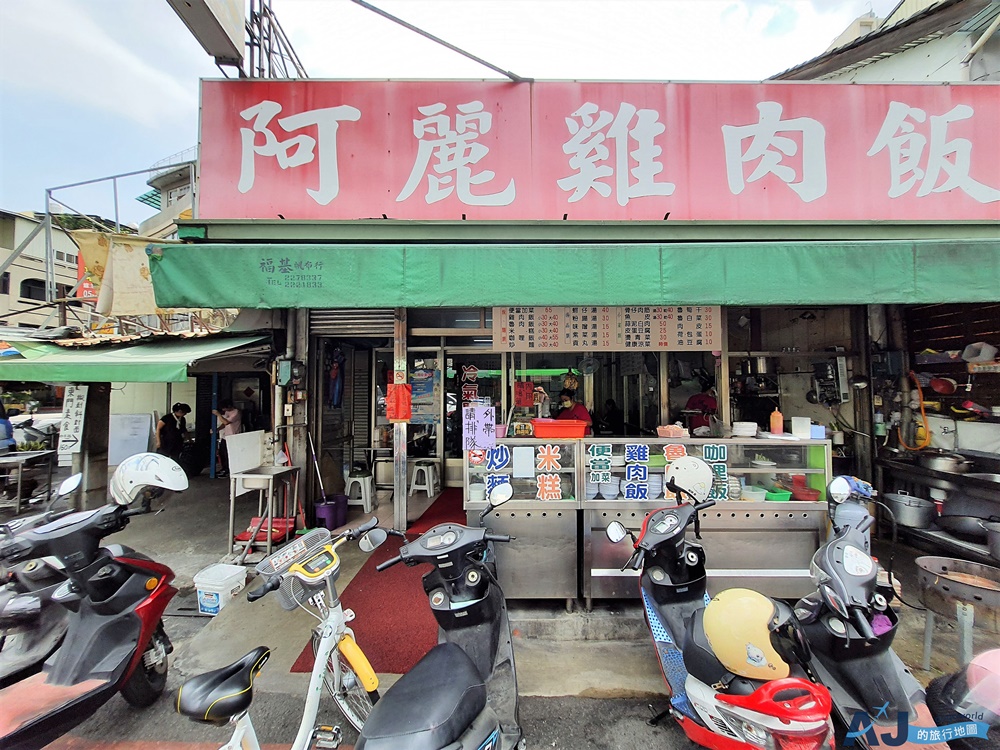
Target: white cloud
(58,48)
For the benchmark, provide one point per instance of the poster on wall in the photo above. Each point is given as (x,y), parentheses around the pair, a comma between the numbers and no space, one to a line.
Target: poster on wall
(641,328)
(426,393)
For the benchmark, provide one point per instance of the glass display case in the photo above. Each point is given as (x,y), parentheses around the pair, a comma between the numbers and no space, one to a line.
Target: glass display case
(542,562)
(623,480)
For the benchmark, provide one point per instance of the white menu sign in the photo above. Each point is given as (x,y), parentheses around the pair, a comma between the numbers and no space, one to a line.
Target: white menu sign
(71,429)
(671,328)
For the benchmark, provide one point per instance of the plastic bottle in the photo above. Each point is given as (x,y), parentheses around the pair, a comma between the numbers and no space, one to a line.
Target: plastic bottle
(777,422)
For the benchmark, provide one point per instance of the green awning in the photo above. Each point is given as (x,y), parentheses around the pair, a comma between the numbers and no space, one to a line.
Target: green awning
(732,273)
(154,362)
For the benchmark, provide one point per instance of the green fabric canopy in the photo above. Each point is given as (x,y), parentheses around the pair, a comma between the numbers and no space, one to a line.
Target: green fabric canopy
(154,362)
(714,273)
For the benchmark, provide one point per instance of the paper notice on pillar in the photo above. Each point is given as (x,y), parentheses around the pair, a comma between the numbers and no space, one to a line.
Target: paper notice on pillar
(71,428)
(478,424)
(524,461)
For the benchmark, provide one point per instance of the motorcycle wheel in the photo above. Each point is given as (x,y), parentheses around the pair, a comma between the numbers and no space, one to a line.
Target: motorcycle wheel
(945,714)
(150,677)
(353,700)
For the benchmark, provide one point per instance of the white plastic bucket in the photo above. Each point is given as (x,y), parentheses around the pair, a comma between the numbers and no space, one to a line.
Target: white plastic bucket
(217,585)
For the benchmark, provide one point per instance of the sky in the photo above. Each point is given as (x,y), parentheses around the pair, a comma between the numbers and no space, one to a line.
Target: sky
(95,88)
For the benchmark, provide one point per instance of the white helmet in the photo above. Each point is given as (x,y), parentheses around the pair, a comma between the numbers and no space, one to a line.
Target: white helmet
(146,474)
(693,475)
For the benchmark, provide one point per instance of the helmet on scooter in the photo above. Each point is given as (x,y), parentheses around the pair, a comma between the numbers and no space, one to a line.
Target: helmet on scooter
(146,476)
(753,636)
(693,475)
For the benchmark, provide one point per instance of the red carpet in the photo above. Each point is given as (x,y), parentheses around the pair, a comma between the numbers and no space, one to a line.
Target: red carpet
(394,625)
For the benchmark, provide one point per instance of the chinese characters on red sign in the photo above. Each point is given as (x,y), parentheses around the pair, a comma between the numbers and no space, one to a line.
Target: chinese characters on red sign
(598,151)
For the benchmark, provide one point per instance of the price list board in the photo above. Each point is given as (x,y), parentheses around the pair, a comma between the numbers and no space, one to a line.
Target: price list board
(671,328)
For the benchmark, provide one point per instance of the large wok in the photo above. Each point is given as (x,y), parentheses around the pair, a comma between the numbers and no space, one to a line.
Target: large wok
(969,528)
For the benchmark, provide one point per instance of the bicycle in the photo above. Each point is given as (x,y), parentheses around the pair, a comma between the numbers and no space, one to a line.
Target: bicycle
(305,570)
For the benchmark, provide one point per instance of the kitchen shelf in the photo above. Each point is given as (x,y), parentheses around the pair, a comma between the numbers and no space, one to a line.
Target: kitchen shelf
(752,355)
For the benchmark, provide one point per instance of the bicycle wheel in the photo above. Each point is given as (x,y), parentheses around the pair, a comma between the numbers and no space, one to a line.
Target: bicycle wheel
(353,700)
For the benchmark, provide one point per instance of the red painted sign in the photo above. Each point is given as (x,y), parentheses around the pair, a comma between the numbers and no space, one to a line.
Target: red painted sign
(598,151)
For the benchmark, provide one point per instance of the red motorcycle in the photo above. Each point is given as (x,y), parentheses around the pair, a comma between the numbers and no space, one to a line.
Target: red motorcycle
(115,598)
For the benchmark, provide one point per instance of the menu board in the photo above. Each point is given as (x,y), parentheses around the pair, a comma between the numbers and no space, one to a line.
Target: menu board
(673,328)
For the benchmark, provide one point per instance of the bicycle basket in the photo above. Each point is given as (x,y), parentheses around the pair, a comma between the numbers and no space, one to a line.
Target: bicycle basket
(293,552)
(293,592)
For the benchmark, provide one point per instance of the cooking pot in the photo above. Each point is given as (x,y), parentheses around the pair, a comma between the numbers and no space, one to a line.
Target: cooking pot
(909,510)
(969,528)
(992,538)
(939,460)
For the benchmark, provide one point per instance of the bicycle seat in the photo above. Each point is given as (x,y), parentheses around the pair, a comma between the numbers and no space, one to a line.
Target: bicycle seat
(430,706)
(217,696)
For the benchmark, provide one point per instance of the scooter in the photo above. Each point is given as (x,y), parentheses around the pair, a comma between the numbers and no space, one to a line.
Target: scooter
(463,692)
(31,625)
(850,627)
(733,664)
(115,599)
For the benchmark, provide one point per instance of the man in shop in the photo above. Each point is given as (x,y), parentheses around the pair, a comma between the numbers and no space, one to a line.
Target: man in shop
(570,408)
(704,403)
(614,418)
(230,423)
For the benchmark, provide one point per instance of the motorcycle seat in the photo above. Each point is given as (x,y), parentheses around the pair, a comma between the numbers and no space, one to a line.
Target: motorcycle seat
(430,706)
(701,662)
(215,697)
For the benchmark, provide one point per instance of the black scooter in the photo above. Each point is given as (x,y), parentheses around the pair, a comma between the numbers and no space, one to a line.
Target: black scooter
(32,625)
(115,599)
(463,692)
(850,628)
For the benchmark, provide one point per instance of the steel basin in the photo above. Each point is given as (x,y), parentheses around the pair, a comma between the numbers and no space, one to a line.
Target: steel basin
(946,582)
(262,476)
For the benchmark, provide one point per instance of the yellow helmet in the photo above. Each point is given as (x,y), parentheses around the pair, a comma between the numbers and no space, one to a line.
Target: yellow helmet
(738,625)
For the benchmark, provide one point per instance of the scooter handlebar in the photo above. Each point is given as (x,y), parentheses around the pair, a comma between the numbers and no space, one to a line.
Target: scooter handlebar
(273,583)
(388,563)
(497,537)
(861,623)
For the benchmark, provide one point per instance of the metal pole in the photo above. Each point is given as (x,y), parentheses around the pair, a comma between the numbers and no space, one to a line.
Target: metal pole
(50,268)
(114,187)
(399,430)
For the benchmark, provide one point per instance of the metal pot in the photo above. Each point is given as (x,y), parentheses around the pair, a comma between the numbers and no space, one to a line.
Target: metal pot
(909,510)
(939,460)
(992,538)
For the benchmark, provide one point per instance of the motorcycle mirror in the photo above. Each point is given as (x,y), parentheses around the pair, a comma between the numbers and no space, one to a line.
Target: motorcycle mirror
(501,494)
(616,532)
(372,539)
(70,485)
(839,489)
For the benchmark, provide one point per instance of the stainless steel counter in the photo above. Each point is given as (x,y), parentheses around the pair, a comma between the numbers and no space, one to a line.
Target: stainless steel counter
(765,546)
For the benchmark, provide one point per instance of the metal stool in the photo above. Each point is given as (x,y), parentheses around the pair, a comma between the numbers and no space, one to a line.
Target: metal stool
(424,470)
(366,487)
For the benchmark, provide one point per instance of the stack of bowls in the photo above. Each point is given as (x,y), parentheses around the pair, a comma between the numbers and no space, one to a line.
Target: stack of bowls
(477,493)
(591,489)
(618,460)
(610,490)
(735,487)
(655,486)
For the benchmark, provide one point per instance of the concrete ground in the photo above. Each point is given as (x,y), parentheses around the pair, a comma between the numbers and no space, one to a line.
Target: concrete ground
(603,655)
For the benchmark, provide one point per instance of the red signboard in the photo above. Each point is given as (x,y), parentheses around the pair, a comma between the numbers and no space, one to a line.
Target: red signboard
(598,151)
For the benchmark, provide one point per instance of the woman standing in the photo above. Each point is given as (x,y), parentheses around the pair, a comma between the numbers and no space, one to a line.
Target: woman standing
(170,431)
(572,409)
